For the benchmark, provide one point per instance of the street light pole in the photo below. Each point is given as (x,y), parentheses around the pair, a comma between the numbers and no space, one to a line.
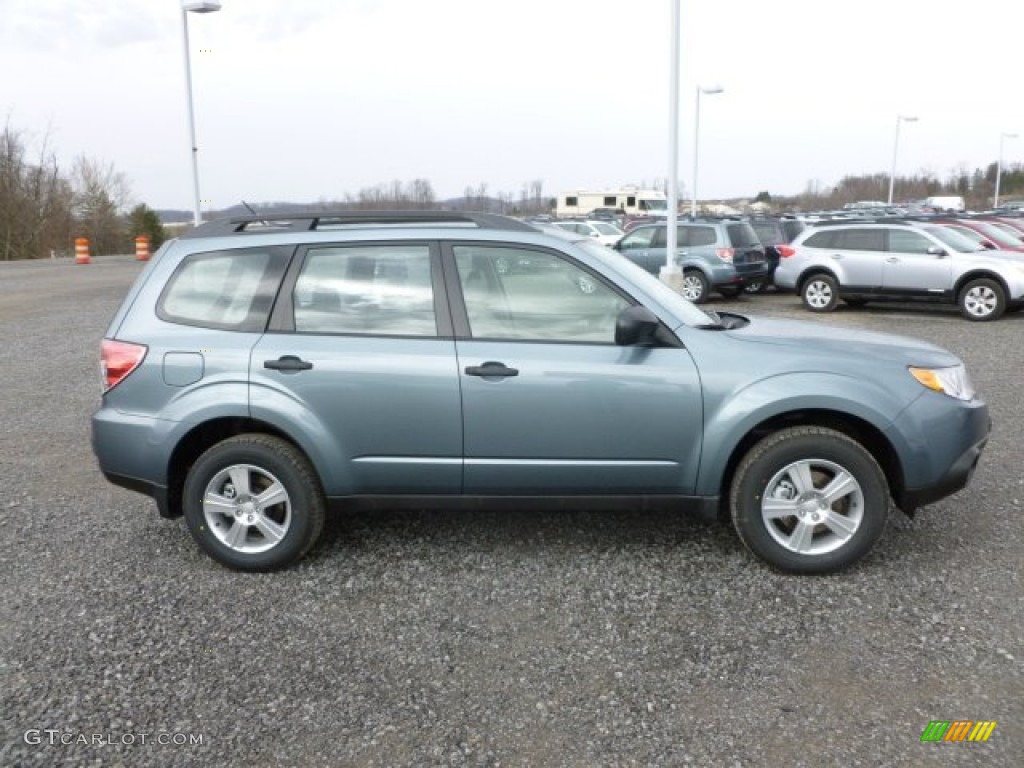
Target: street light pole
(670,272)
(895,150)
(999,166)
(193,6)
(696,141)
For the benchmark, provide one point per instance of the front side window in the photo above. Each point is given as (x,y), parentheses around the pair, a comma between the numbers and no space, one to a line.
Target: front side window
(905,241)
(230,290)
(547,299)
(378,289)
(638,238)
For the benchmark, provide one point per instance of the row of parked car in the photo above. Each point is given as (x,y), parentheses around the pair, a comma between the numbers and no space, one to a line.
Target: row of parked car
(973,260)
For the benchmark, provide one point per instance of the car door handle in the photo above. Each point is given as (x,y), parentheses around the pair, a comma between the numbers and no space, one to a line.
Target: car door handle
(288,363)
(892,259)
(491,368)
(837,256)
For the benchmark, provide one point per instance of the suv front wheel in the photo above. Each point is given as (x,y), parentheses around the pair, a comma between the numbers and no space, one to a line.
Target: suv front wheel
(253,503)
(695,286)
(809,500)
(982,299)
(820,293)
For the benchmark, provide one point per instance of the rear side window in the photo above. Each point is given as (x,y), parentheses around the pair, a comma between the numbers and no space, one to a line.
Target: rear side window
(860,240)
(699,236)
(768,232)
(229,290)
(382,290)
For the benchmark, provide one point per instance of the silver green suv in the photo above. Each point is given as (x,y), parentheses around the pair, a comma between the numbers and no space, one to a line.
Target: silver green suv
(263,371)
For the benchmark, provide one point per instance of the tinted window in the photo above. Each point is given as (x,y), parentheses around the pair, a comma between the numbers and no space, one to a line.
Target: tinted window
(792,228)
(860,239)
(768,232)
(231,290)
(380,290)
(742,235)
(822,239)
(698,236)
(549,300)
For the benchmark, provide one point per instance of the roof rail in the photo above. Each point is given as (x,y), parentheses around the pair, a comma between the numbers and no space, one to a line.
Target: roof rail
(311,221)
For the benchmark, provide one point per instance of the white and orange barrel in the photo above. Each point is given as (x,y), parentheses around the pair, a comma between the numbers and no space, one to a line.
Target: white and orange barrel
(142,248)
(82,251)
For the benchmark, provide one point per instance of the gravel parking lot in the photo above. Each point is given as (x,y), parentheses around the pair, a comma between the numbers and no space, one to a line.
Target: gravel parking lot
(421,639)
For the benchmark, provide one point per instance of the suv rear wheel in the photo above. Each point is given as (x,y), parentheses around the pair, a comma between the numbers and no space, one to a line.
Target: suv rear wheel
(809,500)
(982,299)
(820,293)
(253,503)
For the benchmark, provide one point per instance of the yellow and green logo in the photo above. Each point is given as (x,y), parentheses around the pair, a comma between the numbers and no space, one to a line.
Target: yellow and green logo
(958,730)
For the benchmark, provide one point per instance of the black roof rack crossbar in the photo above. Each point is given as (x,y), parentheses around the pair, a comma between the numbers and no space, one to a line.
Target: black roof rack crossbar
(297,221)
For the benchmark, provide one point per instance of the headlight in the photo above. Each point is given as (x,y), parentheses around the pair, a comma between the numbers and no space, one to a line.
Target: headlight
(949,381)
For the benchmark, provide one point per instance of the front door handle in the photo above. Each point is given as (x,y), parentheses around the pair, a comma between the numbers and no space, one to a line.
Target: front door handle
(288,363)
(491,368)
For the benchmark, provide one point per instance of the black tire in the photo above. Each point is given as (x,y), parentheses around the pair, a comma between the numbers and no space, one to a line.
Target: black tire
(820,293)
(786,472)
(982,300)
(230,523)
(695,286)
(730,291)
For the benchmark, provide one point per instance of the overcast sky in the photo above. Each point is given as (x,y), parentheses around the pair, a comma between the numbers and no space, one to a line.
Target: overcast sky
(304,100)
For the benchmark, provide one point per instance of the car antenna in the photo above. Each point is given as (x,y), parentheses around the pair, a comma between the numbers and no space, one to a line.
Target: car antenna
(251,210)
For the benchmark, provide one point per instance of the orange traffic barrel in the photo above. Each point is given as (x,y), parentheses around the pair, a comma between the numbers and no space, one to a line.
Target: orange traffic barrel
(142,248)
(82,251)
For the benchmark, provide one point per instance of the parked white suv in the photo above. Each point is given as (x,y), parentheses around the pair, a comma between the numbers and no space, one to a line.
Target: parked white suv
(866,261)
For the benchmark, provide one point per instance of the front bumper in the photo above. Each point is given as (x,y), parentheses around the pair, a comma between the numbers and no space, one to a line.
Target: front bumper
(950,438)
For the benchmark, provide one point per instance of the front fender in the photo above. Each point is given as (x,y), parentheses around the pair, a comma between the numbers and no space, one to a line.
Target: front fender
(732,416)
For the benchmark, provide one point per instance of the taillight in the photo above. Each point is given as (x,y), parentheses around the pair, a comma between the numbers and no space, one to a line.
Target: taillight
(118,359)
(785,251)
(725,254)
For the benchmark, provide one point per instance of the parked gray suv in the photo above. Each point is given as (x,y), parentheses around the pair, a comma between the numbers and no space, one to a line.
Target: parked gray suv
(263,370)
(724,255)
(902,260)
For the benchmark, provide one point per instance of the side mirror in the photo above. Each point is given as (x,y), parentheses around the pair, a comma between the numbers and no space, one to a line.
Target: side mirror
(935,250)
(635,327)
(988,244)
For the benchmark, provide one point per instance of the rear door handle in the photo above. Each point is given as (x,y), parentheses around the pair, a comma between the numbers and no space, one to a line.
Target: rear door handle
(491,368)
(288,363)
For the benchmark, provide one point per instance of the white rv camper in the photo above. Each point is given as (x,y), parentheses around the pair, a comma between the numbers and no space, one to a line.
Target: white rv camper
(630,200)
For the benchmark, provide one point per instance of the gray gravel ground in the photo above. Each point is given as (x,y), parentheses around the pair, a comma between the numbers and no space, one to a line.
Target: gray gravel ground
(468,639)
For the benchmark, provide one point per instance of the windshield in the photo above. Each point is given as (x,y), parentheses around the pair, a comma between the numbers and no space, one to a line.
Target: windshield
(653,205)
(690,314)
(605,229)
(999,238)
(954,240)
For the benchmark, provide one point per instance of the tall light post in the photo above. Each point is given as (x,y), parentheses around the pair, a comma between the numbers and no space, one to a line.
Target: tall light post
(670,272)
(710,90)
(999,166)
(895,150)
(193,6)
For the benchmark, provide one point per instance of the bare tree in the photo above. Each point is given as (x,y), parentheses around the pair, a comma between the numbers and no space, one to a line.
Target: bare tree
(35,201)
(100,196)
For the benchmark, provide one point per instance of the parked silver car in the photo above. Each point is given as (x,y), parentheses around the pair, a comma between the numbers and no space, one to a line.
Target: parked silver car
(859,262)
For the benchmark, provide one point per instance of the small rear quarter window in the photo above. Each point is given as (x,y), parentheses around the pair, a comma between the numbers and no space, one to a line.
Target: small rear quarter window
(229,290)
